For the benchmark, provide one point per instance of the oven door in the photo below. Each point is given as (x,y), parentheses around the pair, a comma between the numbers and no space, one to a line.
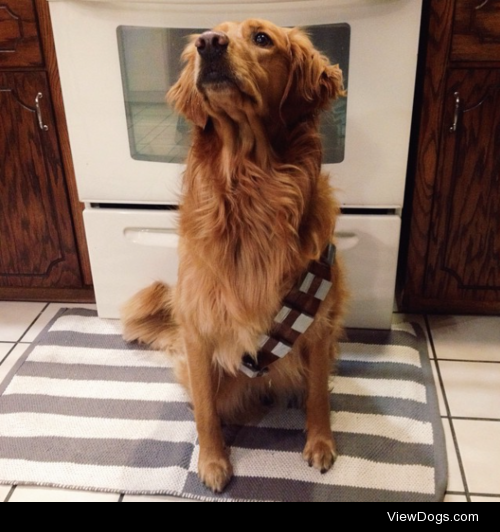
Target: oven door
(117,59)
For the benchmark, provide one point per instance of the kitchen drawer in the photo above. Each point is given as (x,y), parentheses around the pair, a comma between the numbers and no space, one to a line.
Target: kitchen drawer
(368,246)
(130,249)
(476,31)
(19,39)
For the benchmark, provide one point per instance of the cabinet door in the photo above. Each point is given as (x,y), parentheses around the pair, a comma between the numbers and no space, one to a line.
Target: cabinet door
(19,42)
(476,33)
(464,248)
(37,247)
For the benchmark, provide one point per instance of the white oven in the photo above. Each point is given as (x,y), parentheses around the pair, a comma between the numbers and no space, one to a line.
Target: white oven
(117,60)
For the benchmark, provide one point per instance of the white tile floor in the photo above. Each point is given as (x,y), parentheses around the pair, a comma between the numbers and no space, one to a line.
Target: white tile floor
(465,354)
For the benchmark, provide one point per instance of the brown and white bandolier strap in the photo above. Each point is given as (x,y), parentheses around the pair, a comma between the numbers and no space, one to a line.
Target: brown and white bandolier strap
(299,308)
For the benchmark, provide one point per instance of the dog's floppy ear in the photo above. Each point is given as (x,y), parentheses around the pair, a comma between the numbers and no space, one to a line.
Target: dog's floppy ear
(184,96)
(313,82)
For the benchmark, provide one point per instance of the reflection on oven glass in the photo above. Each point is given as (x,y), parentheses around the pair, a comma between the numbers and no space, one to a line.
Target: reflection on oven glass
(334,41)
(156,132)
(150,65)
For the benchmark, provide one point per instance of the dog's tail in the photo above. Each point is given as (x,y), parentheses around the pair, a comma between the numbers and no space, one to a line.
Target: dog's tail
(147,318)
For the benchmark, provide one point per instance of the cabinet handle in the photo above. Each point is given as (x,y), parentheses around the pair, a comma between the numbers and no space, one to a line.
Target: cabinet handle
(453,128)
(43,127)
(481,5)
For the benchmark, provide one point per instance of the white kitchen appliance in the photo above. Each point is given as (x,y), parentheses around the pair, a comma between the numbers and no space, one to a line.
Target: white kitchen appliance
(117,60)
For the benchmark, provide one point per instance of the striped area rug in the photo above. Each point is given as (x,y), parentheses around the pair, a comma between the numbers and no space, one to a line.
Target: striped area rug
(84,410)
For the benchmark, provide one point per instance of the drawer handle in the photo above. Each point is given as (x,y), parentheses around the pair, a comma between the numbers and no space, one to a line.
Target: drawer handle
(42,126)
(454,127)
(346,240)
(142,236)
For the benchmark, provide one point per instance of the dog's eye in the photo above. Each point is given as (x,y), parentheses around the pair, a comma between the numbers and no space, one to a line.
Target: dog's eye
(262,39)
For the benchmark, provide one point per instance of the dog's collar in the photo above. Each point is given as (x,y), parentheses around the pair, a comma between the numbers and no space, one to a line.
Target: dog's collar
(297,313)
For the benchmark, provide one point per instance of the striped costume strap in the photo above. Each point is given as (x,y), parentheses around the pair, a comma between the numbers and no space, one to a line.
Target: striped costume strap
(296,315)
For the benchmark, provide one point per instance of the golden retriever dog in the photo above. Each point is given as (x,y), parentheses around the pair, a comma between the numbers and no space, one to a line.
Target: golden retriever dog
(256,216)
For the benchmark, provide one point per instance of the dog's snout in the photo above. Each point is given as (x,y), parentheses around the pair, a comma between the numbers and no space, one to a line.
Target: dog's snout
(212,43)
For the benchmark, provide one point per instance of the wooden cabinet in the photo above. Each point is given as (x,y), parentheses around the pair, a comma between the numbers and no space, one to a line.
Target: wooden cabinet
(476,32)
(41,256)
(19,38)
(453,261)
(37,241)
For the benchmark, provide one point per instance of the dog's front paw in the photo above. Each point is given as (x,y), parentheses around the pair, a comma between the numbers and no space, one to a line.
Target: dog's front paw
(215,473)
(320,453)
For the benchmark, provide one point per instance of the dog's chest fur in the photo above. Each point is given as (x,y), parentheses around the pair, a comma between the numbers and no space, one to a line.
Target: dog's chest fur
(239,254)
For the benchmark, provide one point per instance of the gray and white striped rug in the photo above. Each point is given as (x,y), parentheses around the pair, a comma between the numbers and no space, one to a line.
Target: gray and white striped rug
(84,410)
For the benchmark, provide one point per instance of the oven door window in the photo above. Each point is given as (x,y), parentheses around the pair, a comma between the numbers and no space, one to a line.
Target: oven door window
(150,65)
(334,41)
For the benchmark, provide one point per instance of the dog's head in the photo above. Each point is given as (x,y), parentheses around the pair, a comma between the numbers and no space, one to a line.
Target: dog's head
(256,69)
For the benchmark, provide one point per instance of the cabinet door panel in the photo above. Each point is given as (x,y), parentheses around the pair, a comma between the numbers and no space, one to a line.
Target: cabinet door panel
(37,246)
(464,249)
(476,34)
(19,41)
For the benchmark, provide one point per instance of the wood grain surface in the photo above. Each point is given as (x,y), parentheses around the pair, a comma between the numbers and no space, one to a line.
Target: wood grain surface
(476,34)
(427,157)
(453,258)
(47,39)
(464,250)
(19,40)
(37,247)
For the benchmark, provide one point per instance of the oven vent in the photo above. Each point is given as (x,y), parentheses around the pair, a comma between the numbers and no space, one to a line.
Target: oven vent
(134,206)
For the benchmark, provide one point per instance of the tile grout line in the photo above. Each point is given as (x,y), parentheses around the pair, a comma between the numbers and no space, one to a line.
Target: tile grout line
(468,418)
(19,341)
(33,323)
(16,343)
(8,353)
(448,411)
(475,494)
(469,361)
(9,495)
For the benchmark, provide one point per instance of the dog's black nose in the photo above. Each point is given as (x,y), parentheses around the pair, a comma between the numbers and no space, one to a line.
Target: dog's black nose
(212,44)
